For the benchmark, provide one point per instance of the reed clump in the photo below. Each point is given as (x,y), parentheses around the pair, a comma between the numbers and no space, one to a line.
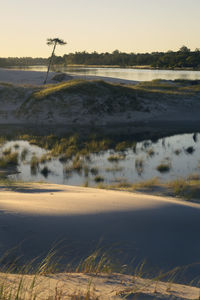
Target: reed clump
(9,160)
(116,157)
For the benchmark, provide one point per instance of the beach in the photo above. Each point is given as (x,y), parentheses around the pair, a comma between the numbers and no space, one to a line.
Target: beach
(21,77)
(38,217)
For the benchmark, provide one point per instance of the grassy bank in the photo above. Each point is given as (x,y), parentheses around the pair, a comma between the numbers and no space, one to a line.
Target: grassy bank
(183,188)
(94,101)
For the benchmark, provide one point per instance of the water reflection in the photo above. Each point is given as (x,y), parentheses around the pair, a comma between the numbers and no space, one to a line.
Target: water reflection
(123,73)
(180,152)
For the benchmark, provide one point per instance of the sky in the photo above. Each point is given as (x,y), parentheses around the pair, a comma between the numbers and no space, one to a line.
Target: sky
(98,25)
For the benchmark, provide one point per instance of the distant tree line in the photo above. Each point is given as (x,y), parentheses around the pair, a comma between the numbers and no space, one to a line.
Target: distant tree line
(183,58)
(22,61)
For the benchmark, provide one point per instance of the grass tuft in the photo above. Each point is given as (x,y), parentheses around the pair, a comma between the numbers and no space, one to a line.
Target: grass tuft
(9,160)
(163,167)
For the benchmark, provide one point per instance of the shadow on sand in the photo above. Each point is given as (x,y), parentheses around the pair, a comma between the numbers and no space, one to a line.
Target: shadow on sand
(166,236)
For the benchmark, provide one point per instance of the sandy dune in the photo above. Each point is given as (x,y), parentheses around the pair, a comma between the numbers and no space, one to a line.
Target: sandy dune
(103,286)
(23,77)
(163,231)
(37,77)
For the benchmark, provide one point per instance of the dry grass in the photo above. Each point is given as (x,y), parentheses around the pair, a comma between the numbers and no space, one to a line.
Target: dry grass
(116,157)
(123,184)
(9,160)
(97,264)
(179,187)
(147,183)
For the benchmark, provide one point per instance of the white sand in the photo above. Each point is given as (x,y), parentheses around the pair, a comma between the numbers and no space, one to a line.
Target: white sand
(105,287)
(55,200)
(15,107)
(24,77)
(157,228)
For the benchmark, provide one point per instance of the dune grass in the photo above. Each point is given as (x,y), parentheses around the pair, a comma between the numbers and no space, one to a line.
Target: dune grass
(186,188)
(28,281)
(27,285)
(123,184)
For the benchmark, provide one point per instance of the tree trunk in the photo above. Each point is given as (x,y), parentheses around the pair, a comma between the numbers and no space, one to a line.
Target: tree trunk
(50,63)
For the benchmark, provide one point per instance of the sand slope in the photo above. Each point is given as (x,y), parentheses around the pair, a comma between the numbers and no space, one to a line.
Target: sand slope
(163,231)
(92,102)
(103,286)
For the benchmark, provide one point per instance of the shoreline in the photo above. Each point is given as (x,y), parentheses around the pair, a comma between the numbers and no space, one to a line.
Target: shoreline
(111,67)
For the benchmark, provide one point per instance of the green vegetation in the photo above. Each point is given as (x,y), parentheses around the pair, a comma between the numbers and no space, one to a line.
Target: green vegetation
(180,187)
(187,189)
(54,42)
(16,146)
(94,170)
(31,280)
(76,145)
(150,152)
(22,61)
(115,168)
(45,171)
(177,151)
(164,167)
(190,150)
(34,165)
(45,158)
(98,178)
(123,184)
(7,151)
(24,154)
(22,287)
(116,157)
(139,165)
(193,176)
(77,163)
(183,58)
(9,160)
(94,97)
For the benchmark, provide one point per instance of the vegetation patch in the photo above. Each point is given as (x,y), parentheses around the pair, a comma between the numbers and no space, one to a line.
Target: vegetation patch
(34,165)
(190,150)
(9,160)
(116,157)
(98,178)
(163,167)
(139,165)
(45,171)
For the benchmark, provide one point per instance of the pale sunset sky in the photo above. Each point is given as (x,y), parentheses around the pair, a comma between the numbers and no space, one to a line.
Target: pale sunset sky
(98,25)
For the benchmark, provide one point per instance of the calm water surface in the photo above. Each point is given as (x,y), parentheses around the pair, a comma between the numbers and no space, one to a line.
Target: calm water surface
(124,73)
(181,162)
